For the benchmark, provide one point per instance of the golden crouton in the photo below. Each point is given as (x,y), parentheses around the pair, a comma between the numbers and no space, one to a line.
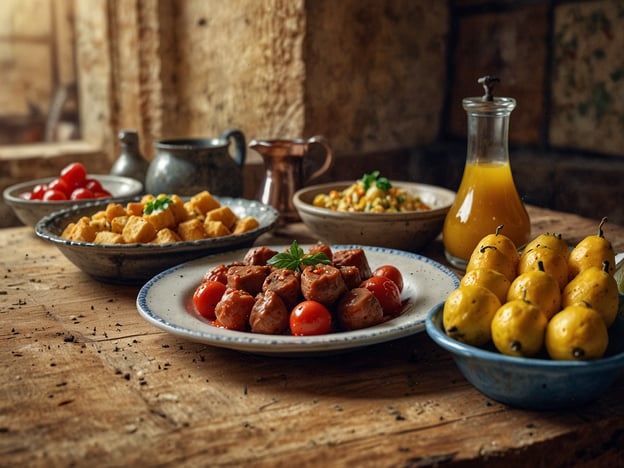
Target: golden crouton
(68,230)
(192,229)
(147,198)
(99,224)
(134,209)
(82,231)
(99,215)
(179,211)
(138,230)
(223,214)
(118,223)
(166,236)
(113,210)
(161,219)
(245,224)
(107,237)
(216,229)
(203,202)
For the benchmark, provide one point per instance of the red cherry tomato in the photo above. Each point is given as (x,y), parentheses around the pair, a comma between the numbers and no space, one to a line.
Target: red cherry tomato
(60,185)
(207,296)
(310,318)
(74,175)
(392,273)
(81,193)
(102,194)
(386,291)
(51,194)
(94,185)
(38,191)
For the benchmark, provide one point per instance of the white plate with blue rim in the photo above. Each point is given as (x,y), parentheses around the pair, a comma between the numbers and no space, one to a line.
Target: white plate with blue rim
(166,302)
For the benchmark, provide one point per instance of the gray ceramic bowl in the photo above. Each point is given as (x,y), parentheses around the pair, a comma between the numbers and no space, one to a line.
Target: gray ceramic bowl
(31,211)
(136,263)
(533,383)
(405,231)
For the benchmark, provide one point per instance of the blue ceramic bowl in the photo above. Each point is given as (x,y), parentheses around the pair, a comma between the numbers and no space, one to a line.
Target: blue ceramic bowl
(533,383)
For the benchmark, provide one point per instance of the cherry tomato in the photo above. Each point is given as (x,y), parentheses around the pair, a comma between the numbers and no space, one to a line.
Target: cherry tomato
(74,175)
(52,194)
(81,193)
(38,191)
(207,296)
(386,291)
(392,273)
(310,318)
(60,185)
(102,194)
(93,185)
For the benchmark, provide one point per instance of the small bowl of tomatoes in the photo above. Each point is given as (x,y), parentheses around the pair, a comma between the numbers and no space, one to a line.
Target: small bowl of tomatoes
(34,199)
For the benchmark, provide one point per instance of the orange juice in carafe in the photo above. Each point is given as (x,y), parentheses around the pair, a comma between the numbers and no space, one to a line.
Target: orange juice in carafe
(487,196)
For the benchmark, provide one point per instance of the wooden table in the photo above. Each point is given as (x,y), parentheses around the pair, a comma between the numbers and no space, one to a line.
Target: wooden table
(87,381)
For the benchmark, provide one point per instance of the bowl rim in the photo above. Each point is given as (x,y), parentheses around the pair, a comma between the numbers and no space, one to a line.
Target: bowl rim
(308,208)
(11,193)
(42,229)
(433,326)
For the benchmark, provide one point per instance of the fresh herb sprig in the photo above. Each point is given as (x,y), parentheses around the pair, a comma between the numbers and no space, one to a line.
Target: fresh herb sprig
(382,183)
(294,257)
(160,203)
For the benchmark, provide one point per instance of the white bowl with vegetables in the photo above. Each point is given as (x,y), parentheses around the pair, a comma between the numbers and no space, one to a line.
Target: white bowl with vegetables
(393,214)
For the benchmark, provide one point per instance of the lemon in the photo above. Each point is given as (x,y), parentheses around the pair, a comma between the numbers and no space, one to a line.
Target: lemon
(554,241)
(538,287)
(592,251)
(489,256)
(468,312)
(493,280)
(503,243)
(552,262)
(577,333)
(596,288)
(518,328)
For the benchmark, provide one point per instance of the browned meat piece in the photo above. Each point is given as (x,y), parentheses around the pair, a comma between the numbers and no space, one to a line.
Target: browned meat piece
(287,285)
(234,308)
(321,248)
(351,276)
(359,308)
(247,277)
(258,256)
(322,283)
(218,273)
(353,257)
(269,315)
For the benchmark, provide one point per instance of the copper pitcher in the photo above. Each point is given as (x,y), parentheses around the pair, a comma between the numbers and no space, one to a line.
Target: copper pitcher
(286,163)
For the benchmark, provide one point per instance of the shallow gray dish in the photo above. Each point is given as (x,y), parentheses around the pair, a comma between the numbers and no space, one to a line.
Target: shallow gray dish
(136,263)
(410,230)
(31,211)
(533,383)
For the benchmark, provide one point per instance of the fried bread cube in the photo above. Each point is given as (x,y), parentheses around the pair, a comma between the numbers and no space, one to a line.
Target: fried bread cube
(161,219)
(113,210)
(108,237)
(179,211)
(166,236)
(99,224)
(223,214)
(82,230)
(203,202)
(216,229)
(138,230)
(193,229)
(134,208)
(245,224)
(118,223)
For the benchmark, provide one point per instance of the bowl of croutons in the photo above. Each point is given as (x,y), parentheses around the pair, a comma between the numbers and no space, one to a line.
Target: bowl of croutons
(129,241)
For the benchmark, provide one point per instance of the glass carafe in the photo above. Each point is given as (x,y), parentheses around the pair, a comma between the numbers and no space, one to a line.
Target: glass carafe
(487,196)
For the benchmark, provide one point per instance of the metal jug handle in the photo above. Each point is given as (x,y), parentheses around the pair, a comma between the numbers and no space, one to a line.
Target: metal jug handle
(329,157)
(239,144)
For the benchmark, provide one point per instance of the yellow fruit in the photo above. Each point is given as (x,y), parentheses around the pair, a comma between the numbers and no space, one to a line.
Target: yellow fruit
(538,287)
(502,243)
(553,263)
(592,251)
(595,288)
(518,328)
(554,241)
(577,333)
(467,314)
(489,256)
(488,278)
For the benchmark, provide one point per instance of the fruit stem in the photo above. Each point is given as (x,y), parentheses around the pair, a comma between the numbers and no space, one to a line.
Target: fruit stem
(602,223)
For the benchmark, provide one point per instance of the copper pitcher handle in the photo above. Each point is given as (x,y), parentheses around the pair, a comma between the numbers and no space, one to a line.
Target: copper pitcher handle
(329,157)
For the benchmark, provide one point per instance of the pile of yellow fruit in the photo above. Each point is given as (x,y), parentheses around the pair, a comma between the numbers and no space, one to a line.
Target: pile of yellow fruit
(549,297)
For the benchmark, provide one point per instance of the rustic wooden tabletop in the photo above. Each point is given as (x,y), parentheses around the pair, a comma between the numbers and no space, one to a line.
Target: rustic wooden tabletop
(87,381)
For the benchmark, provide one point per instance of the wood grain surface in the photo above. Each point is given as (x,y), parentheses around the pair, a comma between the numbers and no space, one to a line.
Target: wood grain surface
(87,381)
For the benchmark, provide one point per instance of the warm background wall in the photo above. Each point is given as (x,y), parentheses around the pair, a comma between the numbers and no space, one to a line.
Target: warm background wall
(382,79)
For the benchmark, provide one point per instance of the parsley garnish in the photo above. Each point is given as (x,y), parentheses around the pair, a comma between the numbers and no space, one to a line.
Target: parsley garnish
(382,183)
(294,257)
(160,203)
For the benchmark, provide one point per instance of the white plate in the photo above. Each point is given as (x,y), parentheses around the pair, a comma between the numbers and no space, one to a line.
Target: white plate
(166,301)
